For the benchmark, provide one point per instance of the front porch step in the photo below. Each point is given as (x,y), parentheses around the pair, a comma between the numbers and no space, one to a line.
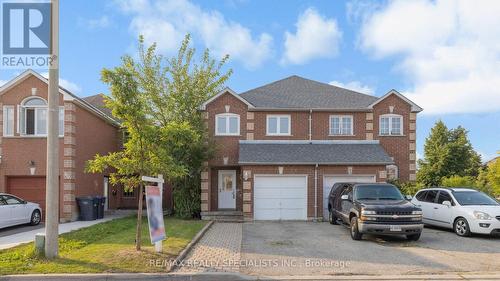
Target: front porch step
(223,216)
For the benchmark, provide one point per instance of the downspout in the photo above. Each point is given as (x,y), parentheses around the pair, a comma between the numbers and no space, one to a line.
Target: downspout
(310,124)
(316,193)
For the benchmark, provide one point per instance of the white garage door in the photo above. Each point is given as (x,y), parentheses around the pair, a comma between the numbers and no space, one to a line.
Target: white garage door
(280,198)
(328,182)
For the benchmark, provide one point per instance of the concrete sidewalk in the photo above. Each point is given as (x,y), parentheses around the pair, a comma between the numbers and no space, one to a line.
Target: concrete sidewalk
(28,236)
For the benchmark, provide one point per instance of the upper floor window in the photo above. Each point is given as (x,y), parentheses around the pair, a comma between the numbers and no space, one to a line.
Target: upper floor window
(8,120)
(278,125)
(391,125)
(341,125)
(33,117)
(227,124)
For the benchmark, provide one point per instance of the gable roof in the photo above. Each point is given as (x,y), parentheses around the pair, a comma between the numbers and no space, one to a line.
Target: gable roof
(226,90)
(68,96)
(414,106)
(296,92)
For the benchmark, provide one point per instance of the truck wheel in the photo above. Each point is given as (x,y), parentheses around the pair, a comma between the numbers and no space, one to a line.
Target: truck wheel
(355,235)
(461,227)
(35,218)
(332,218)
(413,237)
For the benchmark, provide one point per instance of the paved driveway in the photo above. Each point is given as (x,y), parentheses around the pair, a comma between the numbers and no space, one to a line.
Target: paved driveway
(303,248)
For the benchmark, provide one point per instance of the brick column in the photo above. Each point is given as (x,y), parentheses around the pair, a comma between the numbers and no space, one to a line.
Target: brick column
(369,126)
(250,126)
(413,146)
(69,204)
(247,195)
(205,179)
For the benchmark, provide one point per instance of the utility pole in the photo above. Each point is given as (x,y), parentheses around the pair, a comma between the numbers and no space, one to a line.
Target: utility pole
(52,180)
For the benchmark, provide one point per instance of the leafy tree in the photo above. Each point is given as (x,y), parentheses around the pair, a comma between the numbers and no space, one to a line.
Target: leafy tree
(178,87)
(447,153)
(493,176)
(148,148)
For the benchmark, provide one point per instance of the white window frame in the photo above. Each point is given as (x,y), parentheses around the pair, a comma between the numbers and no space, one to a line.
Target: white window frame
(278,124)
(21,109)
(227,116)
(341,117)
(8,115)
(391,116)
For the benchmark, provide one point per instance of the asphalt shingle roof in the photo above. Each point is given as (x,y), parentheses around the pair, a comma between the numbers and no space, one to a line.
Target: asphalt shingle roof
(98,102)
(315,153)
(300,93)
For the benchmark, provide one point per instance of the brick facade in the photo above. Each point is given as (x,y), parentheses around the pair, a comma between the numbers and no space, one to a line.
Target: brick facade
(253,127)
(24,156)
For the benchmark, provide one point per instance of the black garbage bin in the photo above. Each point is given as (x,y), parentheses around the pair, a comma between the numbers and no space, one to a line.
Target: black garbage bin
(87,208)
(95,201)
(100,207)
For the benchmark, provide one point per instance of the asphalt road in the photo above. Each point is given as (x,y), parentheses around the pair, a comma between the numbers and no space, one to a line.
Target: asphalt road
(303,248)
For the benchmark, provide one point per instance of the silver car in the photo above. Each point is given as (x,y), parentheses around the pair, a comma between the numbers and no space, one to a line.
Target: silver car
(14,211)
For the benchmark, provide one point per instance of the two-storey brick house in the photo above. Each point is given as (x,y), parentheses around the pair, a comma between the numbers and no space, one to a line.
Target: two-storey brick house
(84,130)
(280,147)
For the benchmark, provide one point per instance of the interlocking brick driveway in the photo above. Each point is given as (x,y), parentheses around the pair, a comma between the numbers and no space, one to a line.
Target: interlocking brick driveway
(218,250)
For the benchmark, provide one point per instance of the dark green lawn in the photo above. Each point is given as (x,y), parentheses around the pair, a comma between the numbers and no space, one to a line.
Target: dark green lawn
(105,247)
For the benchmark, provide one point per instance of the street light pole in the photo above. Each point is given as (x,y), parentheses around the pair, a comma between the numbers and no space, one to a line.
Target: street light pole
(52,180)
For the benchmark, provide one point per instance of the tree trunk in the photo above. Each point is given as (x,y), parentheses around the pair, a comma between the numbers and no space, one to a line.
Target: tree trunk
(139,220)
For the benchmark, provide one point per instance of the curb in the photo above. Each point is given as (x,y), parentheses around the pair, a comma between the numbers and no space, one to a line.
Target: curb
(189,246)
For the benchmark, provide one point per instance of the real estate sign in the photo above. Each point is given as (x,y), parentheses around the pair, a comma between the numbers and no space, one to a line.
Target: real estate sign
(155,214)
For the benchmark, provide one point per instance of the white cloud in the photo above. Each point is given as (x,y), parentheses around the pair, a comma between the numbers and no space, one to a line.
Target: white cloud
(166,23)
(355,86)
(102,22)
(66,84)
(449,50)
(316,37)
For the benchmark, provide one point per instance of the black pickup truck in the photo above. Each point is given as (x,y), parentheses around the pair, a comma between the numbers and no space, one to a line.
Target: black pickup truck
(374,208)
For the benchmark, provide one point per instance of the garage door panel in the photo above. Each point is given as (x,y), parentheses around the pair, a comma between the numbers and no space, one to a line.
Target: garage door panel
(267,203)
(291,203)
(282,181)
(292,214)
(280,198)
(328,182)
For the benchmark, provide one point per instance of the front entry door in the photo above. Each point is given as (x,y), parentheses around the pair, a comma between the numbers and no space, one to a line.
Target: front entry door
(227,189)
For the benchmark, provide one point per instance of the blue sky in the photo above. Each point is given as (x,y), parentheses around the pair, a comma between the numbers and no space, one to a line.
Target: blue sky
(445,56)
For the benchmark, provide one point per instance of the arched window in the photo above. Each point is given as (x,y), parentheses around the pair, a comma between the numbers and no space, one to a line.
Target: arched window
(33,117)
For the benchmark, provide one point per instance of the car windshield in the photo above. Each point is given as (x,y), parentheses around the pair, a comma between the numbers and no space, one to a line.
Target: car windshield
(377,192)
(467,198)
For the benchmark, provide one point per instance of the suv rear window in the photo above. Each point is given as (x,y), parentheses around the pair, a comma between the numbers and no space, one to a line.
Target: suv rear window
(431,196)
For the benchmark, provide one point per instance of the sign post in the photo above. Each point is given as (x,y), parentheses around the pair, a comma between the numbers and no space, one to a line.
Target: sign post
(154,200)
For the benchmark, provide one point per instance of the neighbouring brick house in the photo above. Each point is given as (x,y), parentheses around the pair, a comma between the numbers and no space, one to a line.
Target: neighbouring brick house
(280,147)
(84,131)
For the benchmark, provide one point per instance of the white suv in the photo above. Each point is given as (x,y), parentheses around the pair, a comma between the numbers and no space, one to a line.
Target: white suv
(464,210)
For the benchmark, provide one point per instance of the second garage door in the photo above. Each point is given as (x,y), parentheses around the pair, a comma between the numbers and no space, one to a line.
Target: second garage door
(280,197)
(328,182)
